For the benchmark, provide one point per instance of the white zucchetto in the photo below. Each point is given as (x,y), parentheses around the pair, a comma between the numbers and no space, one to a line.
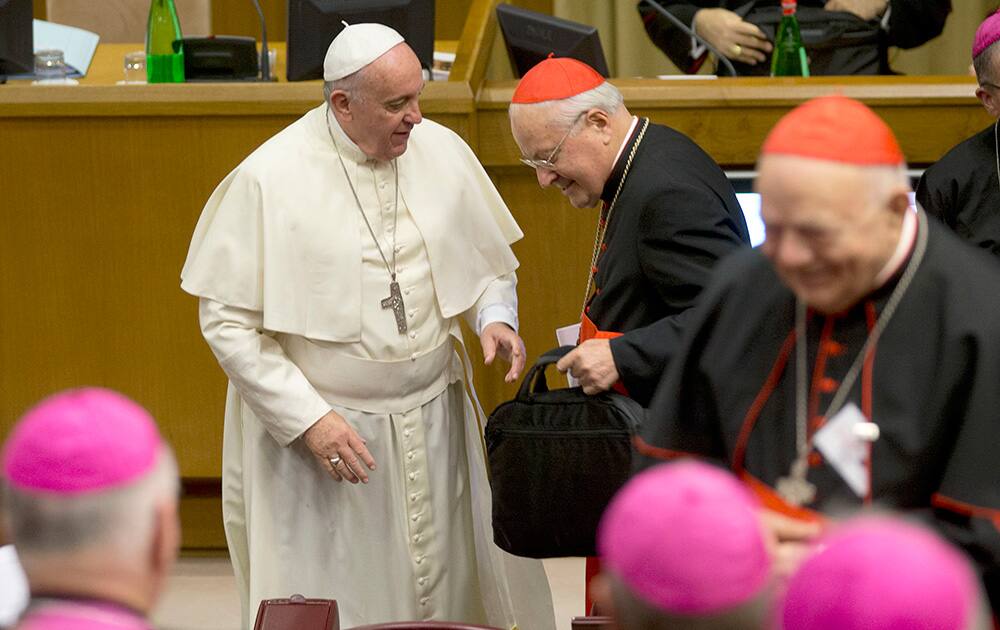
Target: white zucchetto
(357,46)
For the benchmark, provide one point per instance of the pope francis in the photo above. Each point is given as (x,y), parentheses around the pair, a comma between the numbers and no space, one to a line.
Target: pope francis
(331,268)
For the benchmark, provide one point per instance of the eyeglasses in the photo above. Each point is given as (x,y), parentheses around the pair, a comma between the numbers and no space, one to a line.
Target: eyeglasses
(987,84)
(549,163)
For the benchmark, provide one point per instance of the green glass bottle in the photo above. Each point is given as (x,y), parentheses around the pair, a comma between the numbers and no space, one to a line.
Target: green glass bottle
(789,56)
(164,48)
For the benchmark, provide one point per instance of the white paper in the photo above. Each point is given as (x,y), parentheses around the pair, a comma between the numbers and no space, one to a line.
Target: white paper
(568,336)
(14,594)
(77,45)
(839,443)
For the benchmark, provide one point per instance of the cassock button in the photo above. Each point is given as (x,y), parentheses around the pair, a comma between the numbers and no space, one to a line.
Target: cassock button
(828,385)
(415,518)
(593,269)
(423,601)
(406,291)
(604,247)
(417,538)
(815,459)
(422,581)
(413,335)
(587,310)
(412,476)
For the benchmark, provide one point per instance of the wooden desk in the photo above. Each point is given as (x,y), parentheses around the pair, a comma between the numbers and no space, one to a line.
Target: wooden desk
(102,185)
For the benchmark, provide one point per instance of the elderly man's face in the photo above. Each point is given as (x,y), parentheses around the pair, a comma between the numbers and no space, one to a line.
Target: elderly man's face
(580,167)
(386,109)
(827,236)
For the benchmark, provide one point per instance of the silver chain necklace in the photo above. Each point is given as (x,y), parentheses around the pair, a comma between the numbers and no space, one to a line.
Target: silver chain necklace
(794,487)
(395,299)
(605,219)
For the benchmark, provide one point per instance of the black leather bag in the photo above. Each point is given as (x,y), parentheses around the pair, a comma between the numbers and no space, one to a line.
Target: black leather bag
(836,42)
(556,457)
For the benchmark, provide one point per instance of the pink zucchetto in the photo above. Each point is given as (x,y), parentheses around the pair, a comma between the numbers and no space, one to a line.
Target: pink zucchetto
(986,35)
(686,538)
(881,573)
(81,441)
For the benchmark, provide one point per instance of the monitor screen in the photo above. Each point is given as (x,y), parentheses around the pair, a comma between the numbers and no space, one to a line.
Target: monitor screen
(312,25)
(16,39)
(532,36)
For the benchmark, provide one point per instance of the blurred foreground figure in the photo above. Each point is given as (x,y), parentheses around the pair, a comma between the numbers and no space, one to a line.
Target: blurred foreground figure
(682,546)
(90,499)
(886,574)
(853,360)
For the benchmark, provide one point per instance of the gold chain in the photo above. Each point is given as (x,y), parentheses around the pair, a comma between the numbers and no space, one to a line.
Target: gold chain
(605,217)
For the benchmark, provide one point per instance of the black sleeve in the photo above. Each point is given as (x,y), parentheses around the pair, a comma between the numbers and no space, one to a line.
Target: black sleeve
(914,22)
(934,195)
(684,232)
(667,37)
(682,417)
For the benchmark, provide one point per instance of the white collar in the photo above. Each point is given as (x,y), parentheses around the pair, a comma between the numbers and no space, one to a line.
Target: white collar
(907,236)
(621,149)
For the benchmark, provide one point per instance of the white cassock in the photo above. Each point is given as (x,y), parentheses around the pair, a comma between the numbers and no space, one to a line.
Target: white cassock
(291,282)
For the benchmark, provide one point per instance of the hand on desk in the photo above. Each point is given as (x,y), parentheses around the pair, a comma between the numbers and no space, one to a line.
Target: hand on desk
(338,447)
(732,36)
(592,364)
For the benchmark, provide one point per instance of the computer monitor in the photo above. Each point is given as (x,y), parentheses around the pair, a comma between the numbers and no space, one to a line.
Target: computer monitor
(16,41)
(312,25)
(532,36)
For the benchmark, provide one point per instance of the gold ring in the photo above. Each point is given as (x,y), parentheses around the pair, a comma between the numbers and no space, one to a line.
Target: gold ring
(736,50)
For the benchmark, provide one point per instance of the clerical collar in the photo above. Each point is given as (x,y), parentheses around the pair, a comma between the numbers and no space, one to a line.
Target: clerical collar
(619,165)
(349,150)
(907,236)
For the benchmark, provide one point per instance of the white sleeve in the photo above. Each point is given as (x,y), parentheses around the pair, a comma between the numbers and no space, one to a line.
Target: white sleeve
(267,380)
(498,303)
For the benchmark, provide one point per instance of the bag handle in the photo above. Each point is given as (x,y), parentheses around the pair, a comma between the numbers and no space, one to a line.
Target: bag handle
(534,381)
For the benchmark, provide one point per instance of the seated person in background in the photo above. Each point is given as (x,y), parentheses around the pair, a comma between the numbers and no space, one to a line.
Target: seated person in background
(879,573)
(904,24)
(90,499)
(683,546)
(963,188)
(853,359)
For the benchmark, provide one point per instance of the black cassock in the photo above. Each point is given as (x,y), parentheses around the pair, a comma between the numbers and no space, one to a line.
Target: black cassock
(963,191)
(932,386)
(675,217)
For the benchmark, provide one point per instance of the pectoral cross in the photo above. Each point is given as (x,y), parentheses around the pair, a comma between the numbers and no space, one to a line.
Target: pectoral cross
(795,488)
(395,302)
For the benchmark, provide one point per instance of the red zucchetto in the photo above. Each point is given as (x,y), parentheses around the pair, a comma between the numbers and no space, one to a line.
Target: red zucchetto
(554,79)
(837,129)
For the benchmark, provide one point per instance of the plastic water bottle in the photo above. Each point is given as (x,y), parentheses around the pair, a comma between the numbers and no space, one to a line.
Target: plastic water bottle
(164,48)
(789,56)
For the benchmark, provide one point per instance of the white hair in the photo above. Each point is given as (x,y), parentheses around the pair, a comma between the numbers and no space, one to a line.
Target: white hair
(352,84)
(119,520)
(564,112)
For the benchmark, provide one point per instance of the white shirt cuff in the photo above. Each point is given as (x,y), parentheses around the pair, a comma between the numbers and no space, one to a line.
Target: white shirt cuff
(498,312)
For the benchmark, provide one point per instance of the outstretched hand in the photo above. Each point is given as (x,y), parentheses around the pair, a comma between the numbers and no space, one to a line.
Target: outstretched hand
(499,339)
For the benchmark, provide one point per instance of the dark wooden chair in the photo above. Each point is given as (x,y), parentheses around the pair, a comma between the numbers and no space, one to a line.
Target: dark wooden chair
(297,613)
(424,625)
(593,622)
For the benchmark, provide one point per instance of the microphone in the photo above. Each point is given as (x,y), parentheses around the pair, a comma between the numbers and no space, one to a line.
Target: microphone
(687,29)
(265,59)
